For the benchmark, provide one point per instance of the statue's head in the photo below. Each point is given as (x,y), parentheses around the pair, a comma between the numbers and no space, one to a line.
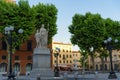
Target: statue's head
(42,26)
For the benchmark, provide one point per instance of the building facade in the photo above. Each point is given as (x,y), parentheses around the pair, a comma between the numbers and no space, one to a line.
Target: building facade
(76,60)
(21,58)
(67,57)
(115,60)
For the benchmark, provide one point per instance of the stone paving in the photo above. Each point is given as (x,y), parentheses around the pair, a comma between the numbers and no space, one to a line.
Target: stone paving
(99,76)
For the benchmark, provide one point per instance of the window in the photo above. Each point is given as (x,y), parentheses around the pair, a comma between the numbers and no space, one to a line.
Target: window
(96,67)
(60,55)
(115,67)
(66,50)
(105,66)
(29,45)
(3,57)
(76,54)
(17,67)
(70,56)
(66,56)
(55,61)
(17,58)
(29,58)
(3,67)
(101,67)
(4,46)
(67,61)
(29,67)
(63,56)
(59,61)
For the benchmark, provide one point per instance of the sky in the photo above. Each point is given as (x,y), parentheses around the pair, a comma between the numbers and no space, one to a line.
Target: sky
(68,8)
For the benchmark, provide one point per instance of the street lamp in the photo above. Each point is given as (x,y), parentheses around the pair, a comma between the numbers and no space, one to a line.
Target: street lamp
(91,49)
(56,69)
(8,34)
(109,47)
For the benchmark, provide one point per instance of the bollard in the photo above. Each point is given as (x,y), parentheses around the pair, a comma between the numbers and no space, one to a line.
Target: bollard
(83,74)
(96,75)
(65,76)
(38,77)
(76,75)
(1,77)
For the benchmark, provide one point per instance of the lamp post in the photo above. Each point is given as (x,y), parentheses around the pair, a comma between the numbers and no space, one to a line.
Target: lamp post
(56,69)
(8,34)
(109,47)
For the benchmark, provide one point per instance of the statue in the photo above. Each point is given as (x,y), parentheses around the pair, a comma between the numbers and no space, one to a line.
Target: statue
(41,37)
(37,35)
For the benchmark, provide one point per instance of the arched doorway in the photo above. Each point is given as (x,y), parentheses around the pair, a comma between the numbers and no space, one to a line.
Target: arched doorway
(17,67)
(115,67)
(106,67)
(96,67)
(28,67)
(3,67)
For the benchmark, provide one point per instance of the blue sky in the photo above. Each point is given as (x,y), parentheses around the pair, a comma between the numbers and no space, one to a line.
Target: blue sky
(67,9)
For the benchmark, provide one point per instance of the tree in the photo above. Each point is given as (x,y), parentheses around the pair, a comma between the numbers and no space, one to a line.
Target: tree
(28,18)
(103,54)
(83,59)
(18,15)
(87,31)
(112,29)
(91,30)
(47,15)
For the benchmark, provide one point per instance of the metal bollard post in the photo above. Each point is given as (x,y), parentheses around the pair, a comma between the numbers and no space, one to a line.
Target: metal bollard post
(38,77)
(1,77)
(65,76)
(96,75)
(76,76)
(83,74)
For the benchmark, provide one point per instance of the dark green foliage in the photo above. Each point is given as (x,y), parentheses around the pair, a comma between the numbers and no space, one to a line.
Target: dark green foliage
(87,30)
(28,18)
(47,15)
(20,16)
(91,30)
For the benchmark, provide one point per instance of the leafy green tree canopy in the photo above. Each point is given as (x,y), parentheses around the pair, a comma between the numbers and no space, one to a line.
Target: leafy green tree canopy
(28,18)
(91,30)
(18,15)
(86,30)
(47,15)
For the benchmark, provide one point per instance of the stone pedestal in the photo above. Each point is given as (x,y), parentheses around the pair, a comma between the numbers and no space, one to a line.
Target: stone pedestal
(41,63)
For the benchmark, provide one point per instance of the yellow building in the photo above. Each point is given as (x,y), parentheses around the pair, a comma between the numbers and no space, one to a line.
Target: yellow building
(76,59)
(66,57)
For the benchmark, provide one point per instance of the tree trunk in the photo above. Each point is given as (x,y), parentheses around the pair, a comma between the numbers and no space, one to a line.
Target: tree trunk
(92,58)
(103,64)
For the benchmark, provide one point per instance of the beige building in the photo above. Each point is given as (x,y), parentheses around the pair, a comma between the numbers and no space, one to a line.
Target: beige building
(76,59)
(115,61)
(67,57)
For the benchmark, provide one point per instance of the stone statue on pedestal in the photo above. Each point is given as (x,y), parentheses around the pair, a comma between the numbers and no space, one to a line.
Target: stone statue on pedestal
(41,37)
(41,56)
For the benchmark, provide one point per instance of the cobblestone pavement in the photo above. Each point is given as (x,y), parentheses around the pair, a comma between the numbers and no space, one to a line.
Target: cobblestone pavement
(99,76)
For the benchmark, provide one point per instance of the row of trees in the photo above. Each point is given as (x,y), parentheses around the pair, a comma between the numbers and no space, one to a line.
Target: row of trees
(28,18)
(90,30)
